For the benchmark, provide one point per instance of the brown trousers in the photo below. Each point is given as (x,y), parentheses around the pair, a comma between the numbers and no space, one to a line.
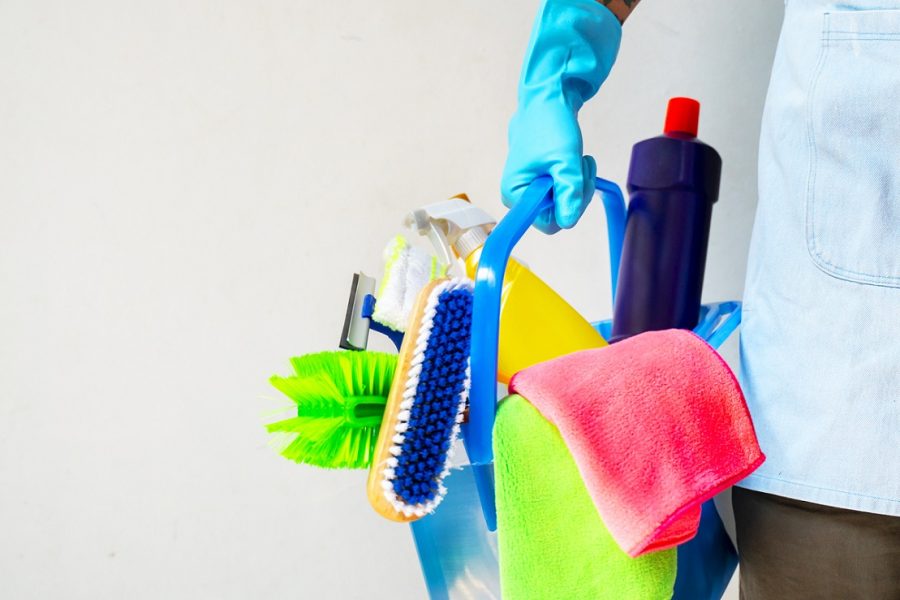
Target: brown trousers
(793,550)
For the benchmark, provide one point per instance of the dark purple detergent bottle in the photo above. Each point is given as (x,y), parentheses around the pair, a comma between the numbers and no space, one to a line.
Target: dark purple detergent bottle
(673,182)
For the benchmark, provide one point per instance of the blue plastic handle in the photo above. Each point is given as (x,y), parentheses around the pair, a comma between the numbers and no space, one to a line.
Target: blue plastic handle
(719,322)
(614,208)
(486,317)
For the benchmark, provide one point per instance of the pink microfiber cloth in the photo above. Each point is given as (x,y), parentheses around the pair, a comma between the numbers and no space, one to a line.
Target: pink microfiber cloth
(657,424)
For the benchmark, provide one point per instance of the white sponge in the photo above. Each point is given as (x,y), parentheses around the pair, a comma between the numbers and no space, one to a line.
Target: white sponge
(407,270)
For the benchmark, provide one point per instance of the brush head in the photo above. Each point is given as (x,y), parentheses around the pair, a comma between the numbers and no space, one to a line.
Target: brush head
(340,399)
(426,405)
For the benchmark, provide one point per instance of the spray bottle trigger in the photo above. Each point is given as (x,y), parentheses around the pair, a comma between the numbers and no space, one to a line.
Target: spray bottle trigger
(446,222)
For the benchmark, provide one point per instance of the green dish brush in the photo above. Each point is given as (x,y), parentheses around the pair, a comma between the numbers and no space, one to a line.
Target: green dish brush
(340,398)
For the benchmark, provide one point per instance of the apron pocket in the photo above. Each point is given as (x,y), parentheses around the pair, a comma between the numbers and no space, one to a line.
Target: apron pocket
(853,195)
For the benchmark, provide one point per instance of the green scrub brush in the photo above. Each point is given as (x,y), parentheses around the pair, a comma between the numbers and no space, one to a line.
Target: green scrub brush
(340,398)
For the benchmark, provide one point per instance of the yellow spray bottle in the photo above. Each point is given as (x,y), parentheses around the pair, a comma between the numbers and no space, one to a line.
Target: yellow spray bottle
(536,323)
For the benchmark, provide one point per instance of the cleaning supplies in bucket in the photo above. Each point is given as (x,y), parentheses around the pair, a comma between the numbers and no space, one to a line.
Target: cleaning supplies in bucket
(426,404)
(657,424)
(536,323)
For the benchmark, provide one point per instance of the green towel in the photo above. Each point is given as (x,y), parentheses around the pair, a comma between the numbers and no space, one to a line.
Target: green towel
(552,541)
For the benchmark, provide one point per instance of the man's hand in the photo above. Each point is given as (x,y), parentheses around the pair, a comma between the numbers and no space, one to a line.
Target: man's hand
(572,49)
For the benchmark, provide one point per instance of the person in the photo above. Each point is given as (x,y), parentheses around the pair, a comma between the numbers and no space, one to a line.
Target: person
(820,343)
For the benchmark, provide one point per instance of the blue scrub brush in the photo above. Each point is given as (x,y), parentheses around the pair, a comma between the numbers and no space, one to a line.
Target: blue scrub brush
(426,404)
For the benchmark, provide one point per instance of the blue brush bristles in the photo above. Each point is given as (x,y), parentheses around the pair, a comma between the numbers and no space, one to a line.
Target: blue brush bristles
(433,402)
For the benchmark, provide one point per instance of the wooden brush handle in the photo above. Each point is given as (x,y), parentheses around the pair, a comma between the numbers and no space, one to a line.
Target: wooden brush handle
(374,490)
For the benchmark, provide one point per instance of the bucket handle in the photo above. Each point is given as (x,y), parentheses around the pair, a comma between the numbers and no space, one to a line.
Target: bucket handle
(486,317)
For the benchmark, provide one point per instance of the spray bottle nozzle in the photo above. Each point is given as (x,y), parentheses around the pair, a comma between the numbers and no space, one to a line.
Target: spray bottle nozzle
(423,224)
(447,224)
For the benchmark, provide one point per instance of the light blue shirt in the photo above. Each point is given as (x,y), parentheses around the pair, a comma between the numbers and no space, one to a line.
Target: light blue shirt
(820,346)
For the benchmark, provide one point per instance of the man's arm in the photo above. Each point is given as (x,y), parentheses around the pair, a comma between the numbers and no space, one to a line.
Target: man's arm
(620,8)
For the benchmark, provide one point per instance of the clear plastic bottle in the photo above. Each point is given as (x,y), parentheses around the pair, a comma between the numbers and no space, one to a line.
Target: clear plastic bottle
(536,323)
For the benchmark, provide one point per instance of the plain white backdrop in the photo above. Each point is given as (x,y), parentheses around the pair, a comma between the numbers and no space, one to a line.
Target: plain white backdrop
(185,190)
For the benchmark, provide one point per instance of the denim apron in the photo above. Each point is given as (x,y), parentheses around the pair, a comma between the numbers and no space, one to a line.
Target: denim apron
(820,346)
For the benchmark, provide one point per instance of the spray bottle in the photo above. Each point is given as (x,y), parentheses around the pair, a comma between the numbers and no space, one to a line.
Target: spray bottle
(536,324)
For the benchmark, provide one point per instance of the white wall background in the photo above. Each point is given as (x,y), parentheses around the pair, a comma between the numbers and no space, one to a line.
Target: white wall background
(185,189)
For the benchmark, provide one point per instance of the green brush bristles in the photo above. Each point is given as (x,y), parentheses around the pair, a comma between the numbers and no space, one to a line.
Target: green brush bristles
(340,398)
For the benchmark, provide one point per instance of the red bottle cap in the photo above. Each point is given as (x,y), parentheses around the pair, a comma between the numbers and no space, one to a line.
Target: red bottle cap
(682,116)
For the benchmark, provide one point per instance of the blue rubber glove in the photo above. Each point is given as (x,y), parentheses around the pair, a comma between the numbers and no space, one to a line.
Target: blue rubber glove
(572,49)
